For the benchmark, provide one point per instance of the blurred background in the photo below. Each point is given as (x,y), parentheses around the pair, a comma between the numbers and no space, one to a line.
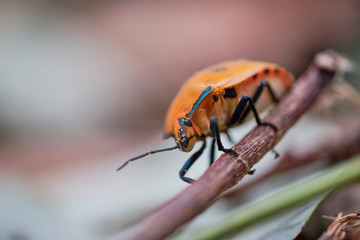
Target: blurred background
(85,85)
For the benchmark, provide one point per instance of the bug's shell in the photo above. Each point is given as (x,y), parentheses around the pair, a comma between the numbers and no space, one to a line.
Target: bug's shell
(196,101)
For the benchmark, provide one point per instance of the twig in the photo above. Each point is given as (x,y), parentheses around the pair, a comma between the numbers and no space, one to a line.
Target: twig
(333,149)
(277,202)
(342,227)
(228,170)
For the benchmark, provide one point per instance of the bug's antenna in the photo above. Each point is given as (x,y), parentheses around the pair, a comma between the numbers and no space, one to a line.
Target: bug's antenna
(145,154)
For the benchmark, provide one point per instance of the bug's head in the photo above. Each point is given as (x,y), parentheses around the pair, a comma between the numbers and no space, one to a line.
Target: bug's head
(184,134)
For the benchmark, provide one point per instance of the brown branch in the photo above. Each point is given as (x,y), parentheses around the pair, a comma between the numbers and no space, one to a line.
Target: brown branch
(228,170)
(333,149)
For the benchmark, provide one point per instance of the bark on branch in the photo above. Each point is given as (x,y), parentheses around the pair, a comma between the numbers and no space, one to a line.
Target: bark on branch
(228,170)
(335,148)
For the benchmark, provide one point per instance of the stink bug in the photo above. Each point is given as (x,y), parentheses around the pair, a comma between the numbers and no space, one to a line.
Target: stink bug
(217,98)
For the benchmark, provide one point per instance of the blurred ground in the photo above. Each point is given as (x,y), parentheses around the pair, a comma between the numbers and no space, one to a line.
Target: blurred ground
(84,86)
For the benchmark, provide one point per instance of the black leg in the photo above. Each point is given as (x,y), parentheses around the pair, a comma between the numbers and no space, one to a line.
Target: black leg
(252,171)
(214,128)
(212,152)
(275,153)
(190,162)
(257,94)
(240,108)
(271,91)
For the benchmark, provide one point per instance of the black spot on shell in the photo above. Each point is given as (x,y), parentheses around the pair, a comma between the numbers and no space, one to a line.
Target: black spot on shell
(230,93)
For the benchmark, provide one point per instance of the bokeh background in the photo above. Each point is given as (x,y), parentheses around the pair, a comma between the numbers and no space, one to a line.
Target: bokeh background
(84,85)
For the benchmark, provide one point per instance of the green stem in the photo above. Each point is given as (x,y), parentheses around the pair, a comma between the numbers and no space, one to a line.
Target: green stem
(328,179)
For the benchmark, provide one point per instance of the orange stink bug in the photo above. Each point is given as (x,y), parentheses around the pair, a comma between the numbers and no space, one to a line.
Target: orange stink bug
(217,98)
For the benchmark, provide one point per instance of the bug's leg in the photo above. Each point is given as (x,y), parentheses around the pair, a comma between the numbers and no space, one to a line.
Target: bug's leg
(257,94)
(214,128)
(212,152)
(189,163)
(275,153)
(266,84)
(240,108)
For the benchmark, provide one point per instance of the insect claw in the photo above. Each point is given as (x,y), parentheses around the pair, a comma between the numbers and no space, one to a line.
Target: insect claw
(275,153)
(231,151)
(270,125)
